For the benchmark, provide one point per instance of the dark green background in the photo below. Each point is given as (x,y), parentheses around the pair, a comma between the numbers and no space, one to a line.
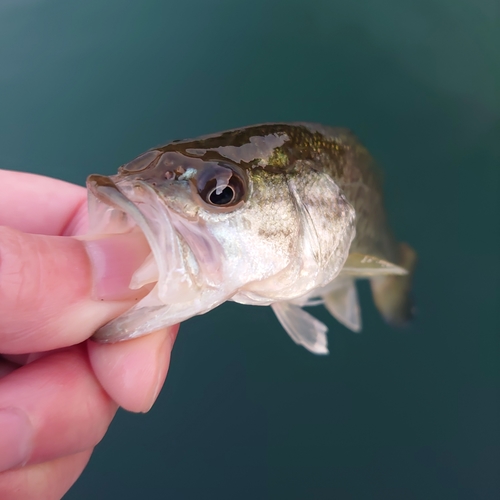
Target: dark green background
(245,413)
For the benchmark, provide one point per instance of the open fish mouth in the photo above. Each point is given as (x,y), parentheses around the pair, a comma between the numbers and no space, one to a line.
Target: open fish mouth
(111,211)
(184,257)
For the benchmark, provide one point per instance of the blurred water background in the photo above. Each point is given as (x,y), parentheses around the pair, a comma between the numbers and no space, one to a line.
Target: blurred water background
(87,85)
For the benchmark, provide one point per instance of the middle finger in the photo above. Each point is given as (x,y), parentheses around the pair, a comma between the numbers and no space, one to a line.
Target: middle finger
(61,405)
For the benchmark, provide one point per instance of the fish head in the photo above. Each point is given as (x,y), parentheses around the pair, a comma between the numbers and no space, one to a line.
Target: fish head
(224,221)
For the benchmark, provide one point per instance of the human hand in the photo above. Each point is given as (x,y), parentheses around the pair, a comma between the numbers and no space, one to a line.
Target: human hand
(58,390)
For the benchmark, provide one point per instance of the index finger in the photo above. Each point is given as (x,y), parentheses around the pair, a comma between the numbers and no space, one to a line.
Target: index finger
(36,204)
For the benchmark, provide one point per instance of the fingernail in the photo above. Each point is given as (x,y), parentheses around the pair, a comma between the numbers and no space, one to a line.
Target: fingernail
(16,438)
(164,353)
(114,260)
(162,364)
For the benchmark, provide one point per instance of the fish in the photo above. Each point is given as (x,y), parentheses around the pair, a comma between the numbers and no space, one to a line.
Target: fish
(287,215)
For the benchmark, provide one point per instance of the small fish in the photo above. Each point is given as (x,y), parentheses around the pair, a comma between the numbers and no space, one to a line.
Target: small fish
(284,214)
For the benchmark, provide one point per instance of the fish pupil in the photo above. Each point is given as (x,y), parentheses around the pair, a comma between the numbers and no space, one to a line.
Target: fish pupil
(220,186)
(223,198)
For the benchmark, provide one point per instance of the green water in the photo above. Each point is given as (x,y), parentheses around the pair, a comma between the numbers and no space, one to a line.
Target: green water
(245,413)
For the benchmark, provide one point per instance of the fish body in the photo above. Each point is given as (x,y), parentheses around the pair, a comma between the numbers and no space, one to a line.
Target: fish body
(283,214)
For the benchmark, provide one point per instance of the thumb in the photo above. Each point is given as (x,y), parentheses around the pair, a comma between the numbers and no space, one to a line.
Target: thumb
(56,291)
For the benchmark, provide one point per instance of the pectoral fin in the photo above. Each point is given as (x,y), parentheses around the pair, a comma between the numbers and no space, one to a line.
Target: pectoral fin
(362,265)
(302,327)
(342,303)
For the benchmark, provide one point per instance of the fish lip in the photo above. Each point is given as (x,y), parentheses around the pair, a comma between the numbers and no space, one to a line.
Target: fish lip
(105,190)
(97,183)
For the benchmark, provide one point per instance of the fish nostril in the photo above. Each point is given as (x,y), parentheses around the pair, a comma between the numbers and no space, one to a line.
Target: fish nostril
(169,175)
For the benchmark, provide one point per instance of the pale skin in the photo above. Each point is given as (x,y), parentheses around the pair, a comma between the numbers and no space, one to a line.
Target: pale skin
(59,391)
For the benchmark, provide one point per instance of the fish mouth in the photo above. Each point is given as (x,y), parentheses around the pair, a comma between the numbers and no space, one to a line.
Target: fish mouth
(111,211)
(118,207)
(184,257)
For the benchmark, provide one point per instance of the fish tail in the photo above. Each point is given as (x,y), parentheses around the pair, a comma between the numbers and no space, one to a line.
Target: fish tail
(392,293)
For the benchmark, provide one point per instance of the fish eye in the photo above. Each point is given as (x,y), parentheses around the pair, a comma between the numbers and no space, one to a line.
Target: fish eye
(221,186)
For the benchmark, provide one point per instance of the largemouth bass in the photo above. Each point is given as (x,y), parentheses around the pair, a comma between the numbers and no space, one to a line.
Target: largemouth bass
(284,214)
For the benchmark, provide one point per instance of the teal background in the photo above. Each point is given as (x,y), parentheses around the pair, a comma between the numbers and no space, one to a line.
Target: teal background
(245,413)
